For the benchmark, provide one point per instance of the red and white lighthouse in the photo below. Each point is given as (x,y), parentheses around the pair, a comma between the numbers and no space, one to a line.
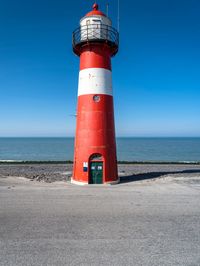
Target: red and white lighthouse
(95,160)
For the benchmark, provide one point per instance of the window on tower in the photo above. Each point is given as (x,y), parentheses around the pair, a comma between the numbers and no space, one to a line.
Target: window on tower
(96,98)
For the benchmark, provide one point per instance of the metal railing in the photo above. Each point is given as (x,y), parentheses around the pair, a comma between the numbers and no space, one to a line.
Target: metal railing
(96,33)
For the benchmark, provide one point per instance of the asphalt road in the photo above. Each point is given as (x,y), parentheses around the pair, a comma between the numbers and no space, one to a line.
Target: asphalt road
(149,222)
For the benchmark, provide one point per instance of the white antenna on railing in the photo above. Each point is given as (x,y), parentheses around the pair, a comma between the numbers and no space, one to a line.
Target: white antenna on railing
(118,16)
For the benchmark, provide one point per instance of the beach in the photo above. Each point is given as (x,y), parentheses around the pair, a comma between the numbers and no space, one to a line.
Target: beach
(150,218)
(128,172)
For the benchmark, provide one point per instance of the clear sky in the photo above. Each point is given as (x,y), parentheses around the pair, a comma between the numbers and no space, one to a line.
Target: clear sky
(156,75)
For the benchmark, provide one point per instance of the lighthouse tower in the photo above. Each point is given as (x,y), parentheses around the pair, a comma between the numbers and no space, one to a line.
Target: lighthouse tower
(95,42)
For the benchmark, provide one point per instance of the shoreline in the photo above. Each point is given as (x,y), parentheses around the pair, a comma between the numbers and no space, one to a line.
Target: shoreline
(127,172)
(3,162)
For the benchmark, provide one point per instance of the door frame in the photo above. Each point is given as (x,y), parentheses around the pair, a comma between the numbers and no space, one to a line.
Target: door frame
(96,161)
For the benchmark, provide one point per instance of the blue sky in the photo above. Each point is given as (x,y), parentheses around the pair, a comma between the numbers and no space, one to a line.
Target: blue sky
(156,75)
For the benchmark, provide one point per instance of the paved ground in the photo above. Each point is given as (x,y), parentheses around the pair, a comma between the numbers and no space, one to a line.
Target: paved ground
(145,222)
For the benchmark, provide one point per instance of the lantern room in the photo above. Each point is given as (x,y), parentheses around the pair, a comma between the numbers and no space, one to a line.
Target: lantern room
(95,26)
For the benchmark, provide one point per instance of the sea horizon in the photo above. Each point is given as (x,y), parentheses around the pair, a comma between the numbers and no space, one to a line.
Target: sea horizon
(71,137)
(129,149)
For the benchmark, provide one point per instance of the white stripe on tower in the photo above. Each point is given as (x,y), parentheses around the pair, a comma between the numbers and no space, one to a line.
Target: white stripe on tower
(95,81)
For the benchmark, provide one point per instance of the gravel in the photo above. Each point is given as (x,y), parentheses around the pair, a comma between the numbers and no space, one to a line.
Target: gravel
(128,172)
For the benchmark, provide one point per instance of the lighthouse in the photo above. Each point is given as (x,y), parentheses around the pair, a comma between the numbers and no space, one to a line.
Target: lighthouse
(95,158)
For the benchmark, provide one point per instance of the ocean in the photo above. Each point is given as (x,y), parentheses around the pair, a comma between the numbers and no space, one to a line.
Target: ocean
(128,149)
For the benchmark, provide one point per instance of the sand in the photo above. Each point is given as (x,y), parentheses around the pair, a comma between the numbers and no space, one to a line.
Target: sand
(151,218)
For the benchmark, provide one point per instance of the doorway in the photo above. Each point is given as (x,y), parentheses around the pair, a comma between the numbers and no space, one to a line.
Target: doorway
(96,173)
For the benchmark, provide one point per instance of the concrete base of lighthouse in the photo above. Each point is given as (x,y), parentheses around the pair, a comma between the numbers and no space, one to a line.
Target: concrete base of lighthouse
(85,184)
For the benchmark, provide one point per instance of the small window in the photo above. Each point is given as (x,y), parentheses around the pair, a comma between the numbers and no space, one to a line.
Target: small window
(97,21)
(96,98)
(88,22)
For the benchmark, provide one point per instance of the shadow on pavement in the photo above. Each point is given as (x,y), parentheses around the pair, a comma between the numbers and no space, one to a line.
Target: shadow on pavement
(152,175)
